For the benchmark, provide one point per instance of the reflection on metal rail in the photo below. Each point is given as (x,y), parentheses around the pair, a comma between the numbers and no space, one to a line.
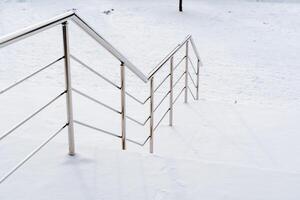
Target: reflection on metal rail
(62,20)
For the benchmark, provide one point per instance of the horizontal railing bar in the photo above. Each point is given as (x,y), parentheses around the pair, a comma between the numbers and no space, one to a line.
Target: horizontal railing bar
(164,61)
(182,59)
(97,129)
(194,48)
(95,100)
(95,72)
(29,31)
(161,119)
(168,57)
(31,75)
(177,81)
(193,66)
(137,143)
(31,154)
(31,116)
(32,30)
(136,121)
(136,99)
(161,101)
(134,142)
(161,83)
(192,79)
(192,93)
(146,140)
(178,95)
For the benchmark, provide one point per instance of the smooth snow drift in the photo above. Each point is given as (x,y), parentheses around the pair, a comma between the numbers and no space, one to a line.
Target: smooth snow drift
(239,141)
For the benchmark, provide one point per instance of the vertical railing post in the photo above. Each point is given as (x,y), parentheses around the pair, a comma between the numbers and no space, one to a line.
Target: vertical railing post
(123,106)
(68,89)
(151,114)
(186,71)
(198,71)
(171,92)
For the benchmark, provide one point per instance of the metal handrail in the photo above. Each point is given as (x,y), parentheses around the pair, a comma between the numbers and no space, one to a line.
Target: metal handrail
(96,101)
(138,122)
(192,64)
(168,57)
(95,128)
(191,78)
(31,154)
(194,97)
(30,116)
(94,71)
(124,62)
(31,75)
(59,19)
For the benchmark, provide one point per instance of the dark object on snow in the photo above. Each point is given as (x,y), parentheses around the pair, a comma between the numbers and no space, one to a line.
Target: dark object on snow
(107,12)
(180,5)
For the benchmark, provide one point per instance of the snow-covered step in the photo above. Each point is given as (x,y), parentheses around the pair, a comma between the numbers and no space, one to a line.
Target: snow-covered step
(97,173)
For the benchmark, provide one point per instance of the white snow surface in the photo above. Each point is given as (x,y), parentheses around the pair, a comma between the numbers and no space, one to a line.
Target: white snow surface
(239,141)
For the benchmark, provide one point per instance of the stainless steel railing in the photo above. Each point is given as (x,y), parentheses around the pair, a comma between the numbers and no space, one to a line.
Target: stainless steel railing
(124,63)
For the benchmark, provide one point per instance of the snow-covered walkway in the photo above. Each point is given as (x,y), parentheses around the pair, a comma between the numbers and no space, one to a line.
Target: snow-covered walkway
(239,141)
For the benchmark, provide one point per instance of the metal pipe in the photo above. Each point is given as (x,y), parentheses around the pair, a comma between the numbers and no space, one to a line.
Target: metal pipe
(151,114)
(98,38)
(192,65)
(68,89)
(194,47)
(161,101)
(161,83)
(186,72)
(97,129)
(192,93)
(29,76)
(96,101)
(177,97)
(123,106)
(94,71)
(171,93)
(138,122)
(177,65)
(136,99)
(30,155)
(178,80)
(198,70)
(31,116)
(192,80)
(34,29)
(164,115)
(165,60)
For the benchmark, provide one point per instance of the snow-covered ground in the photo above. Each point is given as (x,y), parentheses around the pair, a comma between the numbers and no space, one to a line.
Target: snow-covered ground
(239,141)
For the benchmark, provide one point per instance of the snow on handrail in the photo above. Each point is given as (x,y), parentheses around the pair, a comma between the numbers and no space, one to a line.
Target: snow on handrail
(44,25)
(71,15)
(47,24)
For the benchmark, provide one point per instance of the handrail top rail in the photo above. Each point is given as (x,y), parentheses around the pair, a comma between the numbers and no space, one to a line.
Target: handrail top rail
(46,24)
(168,57)
(33,29)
